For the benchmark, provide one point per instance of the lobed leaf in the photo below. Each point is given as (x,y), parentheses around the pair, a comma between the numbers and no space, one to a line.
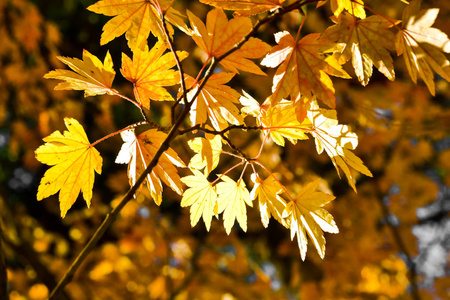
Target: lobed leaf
(136,18)
(138,151)
(89,74)
(149,71)
(303,68)
(307,217)
(73,162)
(208,153)
(220,35)
(201,197)
(422,45)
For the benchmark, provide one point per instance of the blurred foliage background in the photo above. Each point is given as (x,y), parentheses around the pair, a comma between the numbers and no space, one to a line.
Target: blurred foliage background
(394,240)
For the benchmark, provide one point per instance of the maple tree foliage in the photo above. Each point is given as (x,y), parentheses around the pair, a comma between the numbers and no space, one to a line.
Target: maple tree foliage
(210,79)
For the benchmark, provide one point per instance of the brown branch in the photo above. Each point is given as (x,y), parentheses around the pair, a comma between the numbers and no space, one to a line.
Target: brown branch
(111,217)
(412,274)
(3,277)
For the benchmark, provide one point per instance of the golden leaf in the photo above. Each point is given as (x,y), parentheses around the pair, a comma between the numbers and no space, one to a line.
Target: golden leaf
(365,42)
(304,68)
(422,45)
(74,161)
(201,197)
(89,74)
(307,216)
(232,199)
(246,7)
(138,151)
(149,71)
(220,35)
(137,18)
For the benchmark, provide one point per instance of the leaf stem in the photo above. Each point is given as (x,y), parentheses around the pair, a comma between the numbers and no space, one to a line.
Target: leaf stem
(118,131)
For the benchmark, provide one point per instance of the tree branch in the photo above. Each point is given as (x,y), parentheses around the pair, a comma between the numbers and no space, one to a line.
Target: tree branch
(112,216)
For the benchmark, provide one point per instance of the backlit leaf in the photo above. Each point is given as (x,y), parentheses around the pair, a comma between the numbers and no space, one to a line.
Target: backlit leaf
(208,153)
(73,162)
(89,74)
(337,140)
(270,202)
(307,216)
(366,42)
(304,68)
(422,45)
(232,199)
(137,18)
(201,197)
(355,7)
(220,35)
(215,102)
(149,71)
(138,151)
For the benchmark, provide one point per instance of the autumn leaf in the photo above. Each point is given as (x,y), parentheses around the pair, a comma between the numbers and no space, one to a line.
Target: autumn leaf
(89,74)
(303,68)
(246,7)
(138,151)
(366,42)
(422,45)
(232,199)
(281,121)
(220,35)
(270,202)
(215,102)
(201,197)
(307,216)
(149,71)
(73,160)
(207,155)
(137,18)
(337,140)
(354,7)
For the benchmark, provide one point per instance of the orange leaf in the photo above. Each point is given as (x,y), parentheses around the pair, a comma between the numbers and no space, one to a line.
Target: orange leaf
(422,45)
(220,35)
(215,102)
(307,216)
(355,7)
(138,151)
(304,68)
(365,43)
(150,71)
(137,18)
(88,74)
(74,161)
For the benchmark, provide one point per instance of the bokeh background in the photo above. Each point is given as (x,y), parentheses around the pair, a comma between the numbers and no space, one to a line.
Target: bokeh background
(394,238)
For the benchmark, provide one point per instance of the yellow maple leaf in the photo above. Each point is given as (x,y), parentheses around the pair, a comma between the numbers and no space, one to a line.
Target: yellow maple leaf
(220,35)
(366,43)
(137,18)
(201,197)
(355,7)
(215,102)
(208,153)
(149,71)
(303,68)
(138,151)
(270,202)
(337,140)
(307,217)
(89,74)
(422,45)
(246,7)
(281,121)
(74,161)
(232,199)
